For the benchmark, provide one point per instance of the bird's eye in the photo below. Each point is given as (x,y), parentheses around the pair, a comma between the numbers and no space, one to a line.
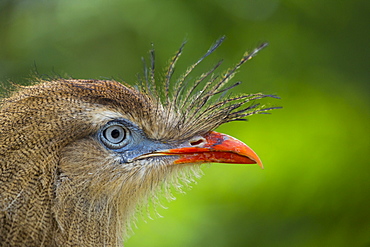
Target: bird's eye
(114,136)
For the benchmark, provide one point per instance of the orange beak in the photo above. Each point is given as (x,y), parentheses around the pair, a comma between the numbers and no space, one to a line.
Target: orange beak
(217,148)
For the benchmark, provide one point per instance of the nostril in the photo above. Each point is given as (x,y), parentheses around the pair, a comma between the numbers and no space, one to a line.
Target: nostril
(197,142)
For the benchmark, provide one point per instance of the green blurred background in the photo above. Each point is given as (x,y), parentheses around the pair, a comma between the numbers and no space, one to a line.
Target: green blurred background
(315,188)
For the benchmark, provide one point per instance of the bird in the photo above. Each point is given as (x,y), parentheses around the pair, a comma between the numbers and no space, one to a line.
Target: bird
(81,158)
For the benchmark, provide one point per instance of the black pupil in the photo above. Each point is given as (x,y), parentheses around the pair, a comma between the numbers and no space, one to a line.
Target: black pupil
(115,133)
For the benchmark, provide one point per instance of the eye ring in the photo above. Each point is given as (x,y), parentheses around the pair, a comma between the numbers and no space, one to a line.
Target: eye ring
(114,135)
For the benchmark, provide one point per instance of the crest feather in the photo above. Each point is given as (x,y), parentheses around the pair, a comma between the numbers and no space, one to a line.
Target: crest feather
(197,109)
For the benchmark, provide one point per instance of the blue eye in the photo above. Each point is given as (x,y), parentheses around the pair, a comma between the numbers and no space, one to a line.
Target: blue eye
(114,135)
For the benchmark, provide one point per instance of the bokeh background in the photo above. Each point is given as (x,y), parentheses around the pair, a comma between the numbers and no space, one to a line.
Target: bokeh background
(315,189)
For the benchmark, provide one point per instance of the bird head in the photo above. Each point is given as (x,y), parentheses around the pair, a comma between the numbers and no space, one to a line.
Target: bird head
(87,154)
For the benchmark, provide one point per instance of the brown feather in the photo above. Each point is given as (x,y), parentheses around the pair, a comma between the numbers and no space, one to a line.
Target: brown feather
(60,187)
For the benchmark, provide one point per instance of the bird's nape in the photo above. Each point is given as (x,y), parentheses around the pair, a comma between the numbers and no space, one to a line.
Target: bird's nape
(78,158)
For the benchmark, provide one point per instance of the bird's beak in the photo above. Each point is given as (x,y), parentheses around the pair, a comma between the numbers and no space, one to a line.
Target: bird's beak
(215,147)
